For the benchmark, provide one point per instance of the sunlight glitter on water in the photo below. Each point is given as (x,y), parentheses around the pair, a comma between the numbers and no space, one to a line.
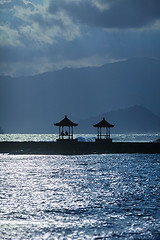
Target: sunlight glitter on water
(80,137)
(79,197)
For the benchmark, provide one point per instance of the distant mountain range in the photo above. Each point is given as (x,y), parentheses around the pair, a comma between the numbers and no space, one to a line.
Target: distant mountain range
(135,119)
(34,103)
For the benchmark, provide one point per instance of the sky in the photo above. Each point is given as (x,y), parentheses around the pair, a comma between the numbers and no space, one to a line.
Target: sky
(45,35)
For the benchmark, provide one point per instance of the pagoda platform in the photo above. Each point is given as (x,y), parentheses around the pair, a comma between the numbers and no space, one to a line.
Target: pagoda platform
(73,147)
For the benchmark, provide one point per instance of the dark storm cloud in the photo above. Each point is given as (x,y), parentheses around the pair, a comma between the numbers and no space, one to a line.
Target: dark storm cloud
(119,13)
(38,37)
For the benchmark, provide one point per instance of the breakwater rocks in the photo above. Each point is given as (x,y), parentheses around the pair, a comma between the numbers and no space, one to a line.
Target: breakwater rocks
(73,147)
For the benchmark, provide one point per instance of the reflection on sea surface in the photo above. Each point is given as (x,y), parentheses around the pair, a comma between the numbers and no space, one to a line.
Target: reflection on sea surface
(80,137)
(112,196)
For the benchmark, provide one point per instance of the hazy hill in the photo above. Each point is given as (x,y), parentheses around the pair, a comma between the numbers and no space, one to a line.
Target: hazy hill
(135,119)
(32,104)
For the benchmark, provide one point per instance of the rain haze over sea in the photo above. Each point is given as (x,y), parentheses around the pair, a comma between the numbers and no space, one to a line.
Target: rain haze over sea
(106,196)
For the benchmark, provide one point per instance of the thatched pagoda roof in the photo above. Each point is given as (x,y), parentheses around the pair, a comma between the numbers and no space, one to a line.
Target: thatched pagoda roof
(66,122)
(103,123)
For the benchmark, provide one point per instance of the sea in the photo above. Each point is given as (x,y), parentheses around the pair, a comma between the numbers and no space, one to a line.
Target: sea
(103,196)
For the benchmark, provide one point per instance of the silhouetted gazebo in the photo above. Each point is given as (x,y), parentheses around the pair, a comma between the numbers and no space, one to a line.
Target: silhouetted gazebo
(107,126)
(66,123)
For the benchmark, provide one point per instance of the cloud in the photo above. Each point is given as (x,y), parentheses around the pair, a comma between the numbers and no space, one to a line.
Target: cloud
(9,36)
(38,35)
(117,14)
(33,23)
(24,22)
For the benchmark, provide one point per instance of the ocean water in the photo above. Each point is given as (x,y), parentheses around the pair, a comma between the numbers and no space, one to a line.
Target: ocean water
(80,137)
(106,196)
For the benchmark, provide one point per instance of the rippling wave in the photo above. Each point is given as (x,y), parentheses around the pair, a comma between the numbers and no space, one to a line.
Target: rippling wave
(80,137)
(112,196)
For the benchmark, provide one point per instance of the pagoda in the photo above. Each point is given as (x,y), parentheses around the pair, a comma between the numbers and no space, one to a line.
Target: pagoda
(105,125)
(63,132)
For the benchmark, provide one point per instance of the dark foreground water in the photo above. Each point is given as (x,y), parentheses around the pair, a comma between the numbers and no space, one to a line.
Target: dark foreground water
(80,197)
